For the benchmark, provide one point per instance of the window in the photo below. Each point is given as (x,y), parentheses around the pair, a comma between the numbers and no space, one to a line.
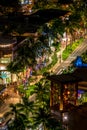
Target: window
(30,1)
(24,1)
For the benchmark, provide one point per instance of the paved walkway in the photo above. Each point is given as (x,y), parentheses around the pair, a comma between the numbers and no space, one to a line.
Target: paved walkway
(9,96)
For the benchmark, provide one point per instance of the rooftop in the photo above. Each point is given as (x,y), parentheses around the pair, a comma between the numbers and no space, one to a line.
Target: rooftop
(80,74)
(7,40)
(20,24)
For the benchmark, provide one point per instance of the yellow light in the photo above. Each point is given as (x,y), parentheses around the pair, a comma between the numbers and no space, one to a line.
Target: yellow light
(68,92)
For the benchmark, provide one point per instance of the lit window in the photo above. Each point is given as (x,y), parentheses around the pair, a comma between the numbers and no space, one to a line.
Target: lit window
(5,60)
(30,10)
(24,1)
(30,1)
(2,68)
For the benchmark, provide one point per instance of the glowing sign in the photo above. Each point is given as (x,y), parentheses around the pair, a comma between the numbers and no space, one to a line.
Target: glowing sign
(78,62)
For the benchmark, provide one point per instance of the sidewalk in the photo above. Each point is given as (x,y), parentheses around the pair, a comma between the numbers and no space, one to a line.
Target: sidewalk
(59,60)
(11,97)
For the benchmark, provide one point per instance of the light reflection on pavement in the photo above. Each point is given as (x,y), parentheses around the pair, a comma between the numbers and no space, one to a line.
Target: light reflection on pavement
(9,96)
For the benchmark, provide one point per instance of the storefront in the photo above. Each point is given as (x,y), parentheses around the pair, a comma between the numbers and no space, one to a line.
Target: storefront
(66,90)
(6,56)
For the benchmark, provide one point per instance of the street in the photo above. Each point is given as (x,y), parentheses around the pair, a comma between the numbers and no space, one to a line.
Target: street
(77,52)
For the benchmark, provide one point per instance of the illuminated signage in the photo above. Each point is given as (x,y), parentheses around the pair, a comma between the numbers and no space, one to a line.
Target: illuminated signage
(78,62)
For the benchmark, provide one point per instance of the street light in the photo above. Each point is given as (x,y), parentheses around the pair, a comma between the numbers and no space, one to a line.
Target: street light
(65,119)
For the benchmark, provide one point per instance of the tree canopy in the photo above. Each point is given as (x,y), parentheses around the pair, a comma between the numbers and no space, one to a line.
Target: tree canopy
(9,6)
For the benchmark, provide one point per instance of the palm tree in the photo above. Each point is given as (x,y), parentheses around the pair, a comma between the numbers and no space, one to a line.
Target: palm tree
(26,106)
(44,4)
(21,114)
(42,91)
(18,120)
(58,27)
(25,56)
(75,19)
(26,53)
(42,116)
(45,120)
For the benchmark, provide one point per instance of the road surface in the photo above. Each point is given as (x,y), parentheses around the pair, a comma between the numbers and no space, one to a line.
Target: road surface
(77,52)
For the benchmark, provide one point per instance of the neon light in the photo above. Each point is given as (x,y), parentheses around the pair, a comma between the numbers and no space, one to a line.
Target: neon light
(78,62)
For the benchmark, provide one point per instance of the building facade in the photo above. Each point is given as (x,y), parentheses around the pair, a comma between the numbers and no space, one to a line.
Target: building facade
(6,56)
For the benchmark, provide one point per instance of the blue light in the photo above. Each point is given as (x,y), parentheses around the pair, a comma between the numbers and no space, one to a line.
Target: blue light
(78,62)
(80,91)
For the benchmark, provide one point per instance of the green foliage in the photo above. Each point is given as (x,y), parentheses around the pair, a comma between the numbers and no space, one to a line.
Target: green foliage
(70,69)
(44,4)
(70,48)
(83,98)
(57,46)
(28,91)
(9,7)
(27,53)
(84,57)
(42,90)
(28,114)
(58,27)
(44,117)
(15,67)
(19,118)
(54,61)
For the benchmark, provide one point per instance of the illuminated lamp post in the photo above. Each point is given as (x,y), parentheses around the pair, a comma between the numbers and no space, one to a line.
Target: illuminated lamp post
(65,119)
